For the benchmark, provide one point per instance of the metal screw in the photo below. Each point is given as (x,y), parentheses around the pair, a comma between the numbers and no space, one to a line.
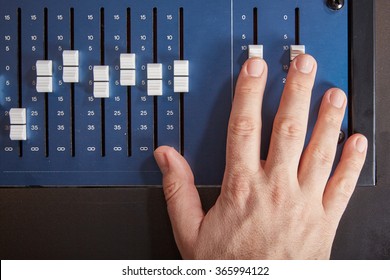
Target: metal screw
(335,4)
(341,137)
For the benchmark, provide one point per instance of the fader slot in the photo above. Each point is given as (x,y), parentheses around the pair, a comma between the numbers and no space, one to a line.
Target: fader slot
(20,105)
(87,107)
(46,111)
(155,60)
(128,47)
(142,109)
(181,55)
(10,84)
(20,102)
(243,32)
(297,49)
(72,90)
(168,113)
(33,50)
(116,107)
(255,23)
(255,50)
(297,27)
(59,102)
(102,101)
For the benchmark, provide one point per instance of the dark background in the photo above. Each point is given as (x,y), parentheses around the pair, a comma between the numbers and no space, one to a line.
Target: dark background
(132,223)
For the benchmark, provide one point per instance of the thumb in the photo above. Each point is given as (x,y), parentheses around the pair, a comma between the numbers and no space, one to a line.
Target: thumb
(183,202)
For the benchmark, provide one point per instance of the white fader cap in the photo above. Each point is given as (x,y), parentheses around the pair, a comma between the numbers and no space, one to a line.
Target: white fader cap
(101,89)
(255,51)
(17,116)
(127,61)
(127,77)
(181,84)
(44,67)
(296,50)
(155,88)
(101,73)
(70,75)
(18,132)
(70,58)
(154,71)
(44,84)
(181,68)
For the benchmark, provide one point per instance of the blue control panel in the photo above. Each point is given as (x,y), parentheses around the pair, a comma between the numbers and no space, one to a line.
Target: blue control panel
(89,89)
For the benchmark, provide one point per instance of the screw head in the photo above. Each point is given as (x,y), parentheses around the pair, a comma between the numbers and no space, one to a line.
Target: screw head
(341,137)
(335,5)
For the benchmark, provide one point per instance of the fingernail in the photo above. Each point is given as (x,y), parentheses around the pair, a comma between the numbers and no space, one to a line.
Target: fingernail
(337,99)
(162,162)
(304,64)
(255,68)
(361,144)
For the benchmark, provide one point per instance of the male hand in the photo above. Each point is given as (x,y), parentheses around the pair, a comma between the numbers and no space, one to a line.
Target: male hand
(286,207)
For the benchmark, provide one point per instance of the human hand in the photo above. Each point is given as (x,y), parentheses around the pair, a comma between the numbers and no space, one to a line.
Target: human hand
(285,207)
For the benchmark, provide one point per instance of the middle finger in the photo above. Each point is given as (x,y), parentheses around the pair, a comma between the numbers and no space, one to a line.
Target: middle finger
(290,125)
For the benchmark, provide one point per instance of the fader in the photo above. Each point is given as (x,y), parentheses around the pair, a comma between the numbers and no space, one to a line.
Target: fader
(88,89)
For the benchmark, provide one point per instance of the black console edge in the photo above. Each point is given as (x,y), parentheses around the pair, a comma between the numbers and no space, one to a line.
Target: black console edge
(362,81)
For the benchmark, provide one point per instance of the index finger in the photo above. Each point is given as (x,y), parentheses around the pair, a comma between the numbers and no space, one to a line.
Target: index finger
(244,132)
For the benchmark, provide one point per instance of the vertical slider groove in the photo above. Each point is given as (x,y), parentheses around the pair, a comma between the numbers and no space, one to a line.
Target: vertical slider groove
(20,104)
(129,126)
(255,30)
(102,101)
(46,51)
(155,54)
(46,35)
(155,60)
(297,27)
(181,57)
(72,89)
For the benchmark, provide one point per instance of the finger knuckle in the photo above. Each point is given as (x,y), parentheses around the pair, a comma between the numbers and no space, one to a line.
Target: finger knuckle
(278,197)
(241,171)
(171,190)
(237,196)
(238,189)
(345,188)
(247,90)
(298,88)
(285,201)
(242,126)
(243,176)
(299,208)
(355,165)
(321,155)
(333,120)
(288,127)
(239,178)
(278,194)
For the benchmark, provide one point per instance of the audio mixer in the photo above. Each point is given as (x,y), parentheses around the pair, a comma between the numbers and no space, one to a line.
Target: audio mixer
(89,89)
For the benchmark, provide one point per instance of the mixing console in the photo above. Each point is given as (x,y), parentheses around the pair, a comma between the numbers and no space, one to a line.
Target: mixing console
(88,89)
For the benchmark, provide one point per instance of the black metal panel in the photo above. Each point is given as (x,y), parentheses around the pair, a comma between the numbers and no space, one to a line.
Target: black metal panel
(362,103)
